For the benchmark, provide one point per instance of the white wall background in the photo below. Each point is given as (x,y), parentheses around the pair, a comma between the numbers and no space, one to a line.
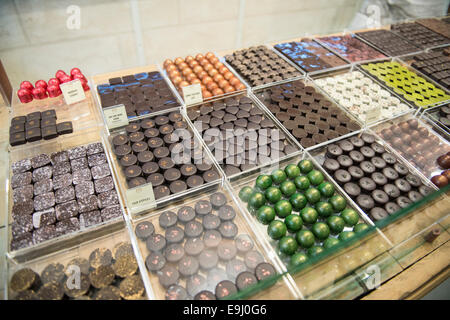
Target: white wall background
(117,34)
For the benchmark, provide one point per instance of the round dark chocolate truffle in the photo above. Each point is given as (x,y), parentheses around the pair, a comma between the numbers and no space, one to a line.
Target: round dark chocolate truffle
(401,169)
(226,250)
(155,261)
(365,202)
(333,151)
(244,243)
(367,167)
(403,202)
(331,165)
(345,161)
(380,197)
(342,176)
(174,252)
(367,152)
(225,288)
(356,173)
(167,219)
(378,162)
(205,295)
(156,242)
(226,213)
(210,221)
(367,184)
(391,207)
(176,292)
(378,214)
(379,178)
(208,259)
(185,214)
(245,280)
(389,158)
(352,189)
(203,207)
(212,238)
(174,234)
(391,190)
(194,246)
(168,276)
(264,270)
(403,185)
(252,259)
(390,173)
(193,229)
(228,229)
(218,199)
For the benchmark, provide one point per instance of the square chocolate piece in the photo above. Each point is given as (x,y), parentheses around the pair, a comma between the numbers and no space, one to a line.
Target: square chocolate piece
(16,139)
(33,134)
(44,218)
(83,189)
(21,166)
(90,218)
(104,184)
(23,208)
(24,241)
(100,171)
(25,222)
(48,114)
(40,161)
(18,127)
(34,116)
(32,124)
(66,210)
(19,119)
(18,230)
(96,159)
(62,180)
(21,179)
(81,175)
(94,148)
(43,186)
(108,198)
(79,163)
(49,133)
(44,201)
(65,194)
(42,173)
(110,213)
(23,194)
(61,168)
(64,127)
(67,226)
(60,156)
(77,152)
(44,234)
(48,122)
(88,203)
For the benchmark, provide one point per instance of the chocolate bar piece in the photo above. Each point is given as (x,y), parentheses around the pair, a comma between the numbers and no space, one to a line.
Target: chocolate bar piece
(108,198)
(62,181)
(88,203)
(33,134)
(16,139)
(49,132)
(66,210)
(64,127)
(104,184)
(111,213)
(90,218)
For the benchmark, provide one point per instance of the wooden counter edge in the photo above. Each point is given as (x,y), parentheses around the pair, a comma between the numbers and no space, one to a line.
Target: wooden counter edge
(417,280)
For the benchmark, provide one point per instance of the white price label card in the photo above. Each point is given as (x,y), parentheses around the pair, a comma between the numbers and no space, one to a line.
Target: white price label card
(141,198)
(72,91)
(192,94)
(373,115)
(116,116)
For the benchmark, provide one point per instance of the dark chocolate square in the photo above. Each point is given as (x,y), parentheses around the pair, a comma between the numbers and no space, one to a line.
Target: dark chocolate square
(90,218)
(17,127)
(100,171)
(67,226)
(96,159)
(83,189)
(21,179)
(104,184)
(111,212)
(60,156)
(108,198)
(21,166)
(81,175)
(61,168)
(23,194)
(44,201)
(34,116)
(43,186)
(42,173)
(88,203)
(48,114)
(23,208)
(77,152)
(66,210)
(35,123)
(62,181)
(48,122)
(94,148)
(79,163)
(44,234)
(65,194)
(64,127)
(33,134)
(19,119)
(16,139)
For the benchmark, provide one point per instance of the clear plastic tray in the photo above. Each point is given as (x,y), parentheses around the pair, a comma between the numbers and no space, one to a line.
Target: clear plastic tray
(263,97)
(425,83)
(102,79)
(83,114)
(216,271)
(48,147)
(239,183)
(412,148)
(119,172)
(351,94)
(85,251)
(289,143)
